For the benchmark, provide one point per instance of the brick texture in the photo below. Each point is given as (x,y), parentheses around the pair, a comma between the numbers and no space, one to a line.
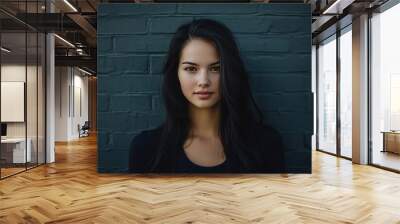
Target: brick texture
(133,39)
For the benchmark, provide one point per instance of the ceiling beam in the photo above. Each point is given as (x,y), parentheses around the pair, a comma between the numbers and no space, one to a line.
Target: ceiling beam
(83,61)
(86,26)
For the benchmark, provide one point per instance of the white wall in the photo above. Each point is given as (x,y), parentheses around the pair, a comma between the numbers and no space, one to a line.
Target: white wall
(9,73)
(16,72)
(70,84)
(61,103)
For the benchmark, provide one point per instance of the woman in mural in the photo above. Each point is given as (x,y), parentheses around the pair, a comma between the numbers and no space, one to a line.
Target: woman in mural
(213,124)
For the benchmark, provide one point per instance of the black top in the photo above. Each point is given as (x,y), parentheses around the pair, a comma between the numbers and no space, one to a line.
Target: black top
(271,154)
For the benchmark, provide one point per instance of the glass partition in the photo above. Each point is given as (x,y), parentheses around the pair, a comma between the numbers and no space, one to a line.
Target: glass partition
(22,90)
(31,100)
(14,153)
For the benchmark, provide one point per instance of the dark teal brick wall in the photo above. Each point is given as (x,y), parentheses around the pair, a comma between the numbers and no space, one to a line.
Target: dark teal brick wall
(133,39)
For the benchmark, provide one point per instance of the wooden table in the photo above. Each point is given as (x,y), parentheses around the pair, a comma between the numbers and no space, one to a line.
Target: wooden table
(391,141)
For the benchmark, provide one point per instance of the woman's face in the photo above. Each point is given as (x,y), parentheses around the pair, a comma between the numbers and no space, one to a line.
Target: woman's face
(199,73)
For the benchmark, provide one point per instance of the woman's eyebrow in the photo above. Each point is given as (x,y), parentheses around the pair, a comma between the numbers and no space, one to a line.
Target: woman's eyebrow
(192,63)
(215,63)
(188,62)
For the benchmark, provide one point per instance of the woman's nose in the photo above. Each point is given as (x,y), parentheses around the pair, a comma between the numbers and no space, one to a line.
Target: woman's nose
(204,79)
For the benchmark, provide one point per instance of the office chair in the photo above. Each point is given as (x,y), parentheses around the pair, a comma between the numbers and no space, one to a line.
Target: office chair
(84,130)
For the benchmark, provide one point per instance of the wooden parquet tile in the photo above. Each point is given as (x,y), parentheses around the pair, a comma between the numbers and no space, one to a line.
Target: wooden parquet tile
(71,191)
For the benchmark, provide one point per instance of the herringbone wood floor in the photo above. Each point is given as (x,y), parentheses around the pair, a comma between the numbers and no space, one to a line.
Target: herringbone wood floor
(71,191)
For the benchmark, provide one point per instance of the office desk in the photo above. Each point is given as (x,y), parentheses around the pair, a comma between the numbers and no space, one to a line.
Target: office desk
(16,147)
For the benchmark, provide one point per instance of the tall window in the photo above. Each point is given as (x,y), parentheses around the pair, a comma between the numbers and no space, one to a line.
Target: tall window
(327,95)
(385,88)
(346,92)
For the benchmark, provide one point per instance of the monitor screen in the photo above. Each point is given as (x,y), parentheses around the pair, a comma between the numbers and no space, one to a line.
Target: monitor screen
(3,129)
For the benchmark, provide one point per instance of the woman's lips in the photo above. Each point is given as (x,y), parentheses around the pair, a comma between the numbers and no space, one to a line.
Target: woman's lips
(204,95)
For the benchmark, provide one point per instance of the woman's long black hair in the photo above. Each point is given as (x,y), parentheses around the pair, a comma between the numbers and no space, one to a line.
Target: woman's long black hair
(239,112)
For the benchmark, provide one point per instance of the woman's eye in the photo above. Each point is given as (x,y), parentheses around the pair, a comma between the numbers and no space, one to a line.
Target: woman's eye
(215,69)
(190,69)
